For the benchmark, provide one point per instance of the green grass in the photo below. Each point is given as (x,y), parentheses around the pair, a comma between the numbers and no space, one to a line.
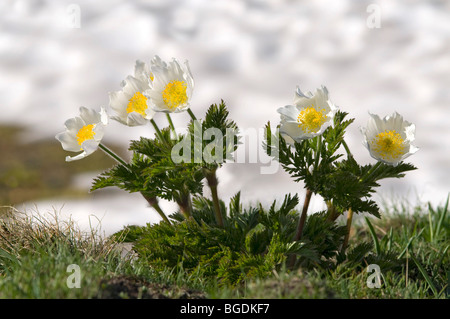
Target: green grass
(411,246)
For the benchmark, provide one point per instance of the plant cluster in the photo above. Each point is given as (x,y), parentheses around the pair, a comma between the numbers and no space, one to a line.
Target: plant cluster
(235,243)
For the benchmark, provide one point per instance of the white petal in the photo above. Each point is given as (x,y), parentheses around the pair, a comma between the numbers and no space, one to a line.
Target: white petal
(410,132)
(99,130)
(75,158)
(295,132)
(374,126)
(290,111)
(149,113)
(119,119)
(323,127)
(289,140)
(188,76)
(74,124)
(134,85)
(68,141)
(299,93)
(156,61)
(89,116)
(135,119)
(118,103)
(141,69)
(412,149)
(161,76)
(89,146)
(103,116)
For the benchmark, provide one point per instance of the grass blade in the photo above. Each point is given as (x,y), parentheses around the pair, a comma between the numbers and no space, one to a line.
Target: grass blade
(442,256)
(441,217)
(431,211)
(374,236)
(406,247)
(425,275)
(4,254)
(391,236)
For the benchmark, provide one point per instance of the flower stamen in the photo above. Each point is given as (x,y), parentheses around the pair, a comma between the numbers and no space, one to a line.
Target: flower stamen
(138,103)
(311,120)
(85,133)
(174,94)
(389,145)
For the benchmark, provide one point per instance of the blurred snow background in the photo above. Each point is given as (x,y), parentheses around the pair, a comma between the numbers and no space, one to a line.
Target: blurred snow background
(252,54)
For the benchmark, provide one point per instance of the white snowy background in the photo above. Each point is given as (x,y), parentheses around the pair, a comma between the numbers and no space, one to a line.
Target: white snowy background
(56,56)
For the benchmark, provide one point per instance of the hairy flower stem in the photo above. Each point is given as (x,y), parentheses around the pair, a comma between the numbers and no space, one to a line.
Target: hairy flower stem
(349,226)
(193,117)
(185,205)
(113,155)
(211,178)
(172,127)
(301,223)
(153,201)
(333,213)
(349,154)
(157,130)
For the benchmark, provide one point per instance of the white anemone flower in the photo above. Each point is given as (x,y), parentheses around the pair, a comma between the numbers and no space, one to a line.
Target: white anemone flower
(389,140)
(309,116)
(172,86)
(83,133)
(130,105)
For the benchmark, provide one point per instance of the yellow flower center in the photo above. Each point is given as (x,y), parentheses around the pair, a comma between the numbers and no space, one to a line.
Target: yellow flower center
(174,94)
(85,133)
(138,103)
(152,77)
(388,144)
(311,120)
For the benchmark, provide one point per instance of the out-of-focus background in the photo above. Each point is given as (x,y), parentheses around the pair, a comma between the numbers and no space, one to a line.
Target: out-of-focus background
(373,56)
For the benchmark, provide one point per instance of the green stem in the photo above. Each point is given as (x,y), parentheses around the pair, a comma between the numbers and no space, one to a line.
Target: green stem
(302,220)
(158,131)
(212,183)
(184,201)
(347,149)
(172,127)
(332,214)
(301,224)
(153,201)
(191,114)
(112,155)
(349,226)
(161,213)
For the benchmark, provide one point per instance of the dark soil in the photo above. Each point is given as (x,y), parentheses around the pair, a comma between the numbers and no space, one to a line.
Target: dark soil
(127,287)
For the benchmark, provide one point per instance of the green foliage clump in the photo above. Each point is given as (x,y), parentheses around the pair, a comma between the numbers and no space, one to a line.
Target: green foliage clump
(252,243)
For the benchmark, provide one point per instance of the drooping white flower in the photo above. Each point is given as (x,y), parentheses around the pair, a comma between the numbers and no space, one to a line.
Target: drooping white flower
(172,86)
(309,116)
(83,133)
(129,104)
(389,140)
